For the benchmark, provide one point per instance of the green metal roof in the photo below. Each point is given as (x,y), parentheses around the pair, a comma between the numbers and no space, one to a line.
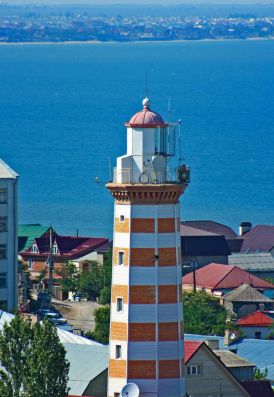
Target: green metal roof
(27,233)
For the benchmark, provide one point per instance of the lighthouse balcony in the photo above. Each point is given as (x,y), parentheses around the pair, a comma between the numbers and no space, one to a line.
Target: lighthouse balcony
(176,175)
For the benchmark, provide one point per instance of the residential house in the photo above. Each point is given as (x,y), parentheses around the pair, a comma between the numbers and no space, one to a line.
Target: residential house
(82,251)
(218,279)
(245,300)
(202,247)
(8,237)
(260,263)
(259,239)
(241,368)
(218,373)
(258,325)
(258,351)
(233,241)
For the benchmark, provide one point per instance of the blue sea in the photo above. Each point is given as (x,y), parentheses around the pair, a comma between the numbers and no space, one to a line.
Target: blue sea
(62,109)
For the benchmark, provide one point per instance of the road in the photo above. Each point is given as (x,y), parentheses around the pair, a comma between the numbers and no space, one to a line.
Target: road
(78,314)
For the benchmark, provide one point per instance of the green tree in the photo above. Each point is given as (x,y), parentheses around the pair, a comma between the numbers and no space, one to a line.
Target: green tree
(260,374)
(102,320)
(47,374)
(15,348)
(203,314)
(41,276)
(70,278)
(33,360)
(105,296)
(92,284)
(105,292)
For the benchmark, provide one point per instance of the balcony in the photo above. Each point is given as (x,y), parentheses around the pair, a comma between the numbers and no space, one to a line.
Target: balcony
(179,175)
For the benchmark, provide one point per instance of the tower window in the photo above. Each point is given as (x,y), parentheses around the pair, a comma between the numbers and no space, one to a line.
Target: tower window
(118,351)
(122,218)
(121,258)
(119,303)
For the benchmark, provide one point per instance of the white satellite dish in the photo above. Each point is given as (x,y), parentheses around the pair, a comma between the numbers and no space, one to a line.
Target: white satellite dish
(159,164)
(130,390)
(232,336)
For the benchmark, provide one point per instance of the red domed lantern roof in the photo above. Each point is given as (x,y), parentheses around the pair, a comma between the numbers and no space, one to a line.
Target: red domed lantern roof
(146,118)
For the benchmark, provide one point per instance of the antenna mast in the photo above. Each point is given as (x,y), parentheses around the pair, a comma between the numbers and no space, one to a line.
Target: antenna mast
(146,84)
(180,145)
(169,108)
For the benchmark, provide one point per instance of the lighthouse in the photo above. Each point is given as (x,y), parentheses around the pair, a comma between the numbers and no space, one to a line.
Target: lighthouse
(146,329)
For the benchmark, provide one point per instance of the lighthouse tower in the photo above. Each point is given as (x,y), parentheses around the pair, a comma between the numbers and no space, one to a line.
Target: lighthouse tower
(146,330)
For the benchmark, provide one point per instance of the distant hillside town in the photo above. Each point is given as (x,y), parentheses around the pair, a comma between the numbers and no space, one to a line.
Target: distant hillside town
(66,25)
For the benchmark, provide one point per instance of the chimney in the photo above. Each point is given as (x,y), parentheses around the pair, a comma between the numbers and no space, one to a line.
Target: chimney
(213,344)
(244,228)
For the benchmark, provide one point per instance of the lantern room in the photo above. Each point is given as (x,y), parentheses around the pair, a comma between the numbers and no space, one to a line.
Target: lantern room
(150,146)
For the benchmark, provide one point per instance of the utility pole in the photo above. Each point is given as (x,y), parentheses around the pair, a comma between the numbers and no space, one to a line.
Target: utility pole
(193,265)
(50,263)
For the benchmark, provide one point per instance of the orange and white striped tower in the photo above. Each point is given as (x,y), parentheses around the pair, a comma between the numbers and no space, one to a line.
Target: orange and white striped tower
(146,330)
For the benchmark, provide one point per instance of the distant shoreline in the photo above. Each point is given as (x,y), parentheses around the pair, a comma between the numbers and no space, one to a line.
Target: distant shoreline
(129,42)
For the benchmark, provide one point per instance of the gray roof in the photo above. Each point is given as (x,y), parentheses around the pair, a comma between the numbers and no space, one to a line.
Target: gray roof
(6,172)
(246,293)
(259,262)
(212,227)
(86,363)
(192,231)
(232,360)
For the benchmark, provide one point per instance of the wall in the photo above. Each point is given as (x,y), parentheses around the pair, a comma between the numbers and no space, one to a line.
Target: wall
(243,373)
(249,332)
(242,309)
(9,238)
(203,261)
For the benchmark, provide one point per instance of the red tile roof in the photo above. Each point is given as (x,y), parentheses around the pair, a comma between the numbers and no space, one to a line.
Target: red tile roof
(217,276)
(70,247)
(256,319)
(260,238)
(190,349)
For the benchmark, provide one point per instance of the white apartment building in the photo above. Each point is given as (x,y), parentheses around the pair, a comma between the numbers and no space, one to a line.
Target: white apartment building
(8,237)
